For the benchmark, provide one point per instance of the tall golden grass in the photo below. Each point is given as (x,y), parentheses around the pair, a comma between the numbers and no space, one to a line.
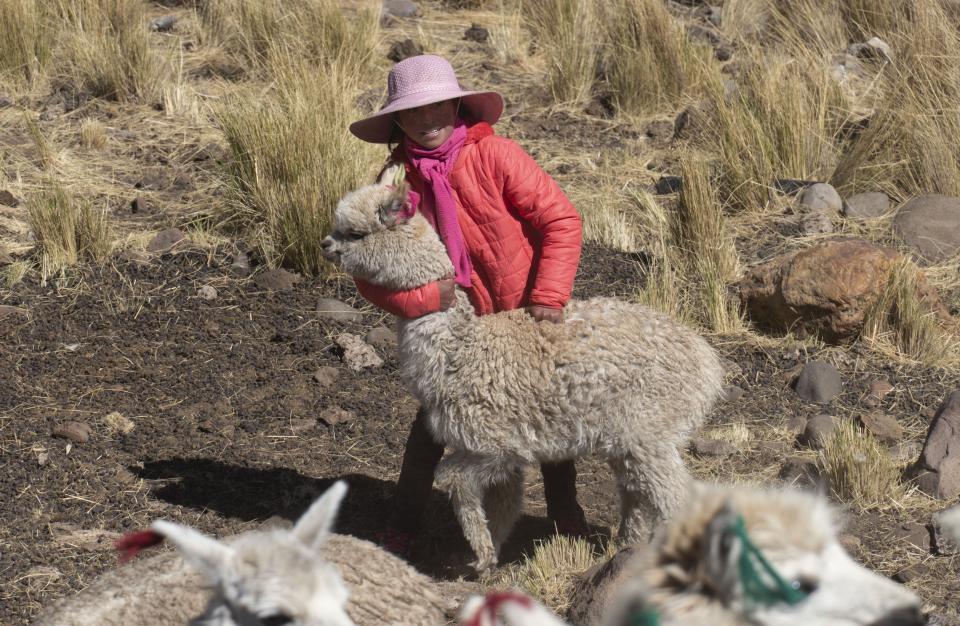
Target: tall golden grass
(567,36)
(27,38)
(67,229)
(858,469)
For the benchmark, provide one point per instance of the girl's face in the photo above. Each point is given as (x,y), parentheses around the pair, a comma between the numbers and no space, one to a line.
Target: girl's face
(429,125)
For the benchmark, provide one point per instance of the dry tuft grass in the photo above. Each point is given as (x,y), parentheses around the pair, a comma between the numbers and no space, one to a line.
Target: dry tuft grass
(665,286)
(46,156)
(27,37)
(860,471)
(508,37)
(67,230)
(93,134)
(647,59)
(14,273)
(902,324)
(549,573)
(568,31)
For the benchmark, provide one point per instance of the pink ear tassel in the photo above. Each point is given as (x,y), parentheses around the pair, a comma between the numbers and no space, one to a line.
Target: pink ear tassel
(492,603)
(132,543)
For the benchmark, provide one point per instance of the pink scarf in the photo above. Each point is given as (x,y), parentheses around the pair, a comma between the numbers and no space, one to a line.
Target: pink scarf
(434,167)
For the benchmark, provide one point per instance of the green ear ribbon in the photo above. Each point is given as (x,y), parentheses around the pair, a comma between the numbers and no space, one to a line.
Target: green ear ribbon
(762,585)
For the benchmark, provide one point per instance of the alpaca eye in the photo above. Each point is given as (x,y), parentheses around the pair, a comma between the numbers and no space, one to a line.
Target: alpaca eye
(805,585)
(277,619)
(355,236)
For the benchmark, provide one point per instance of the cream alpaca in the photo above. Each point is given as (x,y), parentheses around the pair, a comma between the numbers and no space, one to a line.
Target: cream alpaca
(691,574)
(304,576)
(617,380)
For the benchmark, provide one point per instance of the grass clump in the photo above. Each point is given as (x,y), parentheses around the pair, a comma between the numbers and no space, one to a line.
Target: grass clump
(93,134)
(27,37)
(902,323)
(859,470)
(549,573)
(568,33)
(67,230)
(648,60)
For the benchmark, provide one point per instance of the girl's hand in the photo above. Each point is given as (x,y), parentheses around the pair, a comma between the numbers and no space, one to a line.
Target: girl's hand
(545,314)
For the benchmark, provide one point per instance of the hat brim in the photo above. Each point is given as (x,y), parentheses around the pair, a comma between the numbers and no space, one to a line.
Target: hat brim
(485,106)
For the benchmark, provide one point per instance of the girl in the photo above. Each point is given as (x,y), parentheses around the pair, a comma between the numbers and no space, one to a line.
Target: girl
(511,233)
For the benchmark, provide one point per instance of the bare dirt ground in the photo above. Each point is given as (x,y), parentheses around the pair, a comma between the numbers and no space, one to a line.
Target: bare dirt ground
(221,394)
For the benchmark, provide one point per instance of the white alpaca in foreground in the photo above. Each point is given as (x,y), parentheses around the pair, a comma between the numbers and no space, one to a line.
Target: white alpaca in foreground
(693,573)
(302,576)
(616,379)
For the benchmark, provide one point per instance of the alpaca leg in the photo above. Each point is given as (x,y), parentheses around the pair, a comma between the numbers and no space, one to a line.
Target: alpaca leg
(503,503)
(635,508)
(463,477)
(653,484)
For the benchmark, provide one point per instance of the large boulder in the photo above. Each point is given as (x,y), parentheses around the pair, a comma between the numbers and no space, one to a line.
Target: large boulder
(823,290)
(931,226)
(939,466)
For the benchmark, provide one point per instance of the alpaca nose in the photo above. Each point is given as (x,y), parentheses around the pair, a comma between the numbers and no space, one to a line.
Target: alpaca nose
(326,243)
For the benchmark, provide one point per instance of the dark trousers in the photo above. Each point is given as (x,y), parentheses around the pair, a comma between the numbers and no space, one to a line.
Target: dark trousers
(420,459)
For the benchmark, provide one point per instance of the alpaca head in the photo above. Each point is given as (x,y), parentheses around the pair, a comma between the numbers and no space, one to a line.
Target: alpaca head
(708,555)
(270,578)
(380,238)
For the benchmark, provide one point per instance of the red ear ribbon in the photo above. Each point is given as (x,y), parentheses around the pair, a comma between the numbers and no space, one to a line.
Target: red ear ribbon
(492,603)
(132,543)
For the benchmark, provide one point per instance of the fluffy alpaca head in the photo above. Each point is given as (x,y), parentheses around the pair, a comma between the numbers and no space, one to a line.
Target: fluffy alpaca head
(378,237)
(271,578)
(696,565)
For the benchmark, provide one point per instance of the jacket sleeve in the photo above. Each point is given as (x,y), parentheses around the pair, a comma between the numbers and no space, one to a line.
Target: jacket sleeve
(408,304)
(539,200)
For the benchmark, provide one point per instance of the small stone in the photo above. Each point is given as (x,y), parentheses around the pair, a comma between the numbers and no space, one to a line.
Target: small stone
(821,197)
(166,240)
(300,425)
(914,534)
(8,199)
(946,531)
(134,256)
(723,52)
(382,338)
(882,426)
(660,132)
(711,447)
(405,49)
(880,388)
(476,33)
(401,8)
(357,354)
(732,393)
(76,432)
(335,415)
(818,381)
(240,264)
(5,102)
(117,424)
(163,24)
(816,223)
(869,205)
(43,458)
(790,186)
(851,543)
(276,280)
(13,314)
(801,472)
(333,309)
(668,184)
(930,225)
(138,205)
(207,292)
(911,572)
(905,451)
(326,376)
(818,430)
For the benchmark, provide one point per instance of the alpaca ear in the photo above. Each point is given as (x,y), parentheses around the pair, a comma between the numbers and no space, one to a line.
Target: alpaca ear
(721,553)
(399,208)
(313,526)
(205,553)
(392,175)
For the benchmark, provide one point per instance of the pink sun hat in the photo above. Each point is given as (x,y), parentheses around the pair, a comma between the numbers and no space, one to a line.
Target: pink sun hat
(421,80)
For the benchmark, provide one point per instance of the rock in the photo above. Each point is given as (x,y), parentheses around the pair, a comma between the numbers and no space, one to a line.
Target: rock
(476,33)
(668,184)
(117,424)
(869,205)
(816,223)
(334,415)
(912,572)
(879,388)
(824,290)
(77,432)
(207,292)
(240,264)
(357,354)
(163,23)
(400,50)
(382,338)
(818,430)
(931,226)
(945,532)
(326,376)
(8,199)
(276,280)
(134,256)
(723,52)
(333,309)
(818,381)
(712,14)
(941,452)
(851,543)
(821,197)
(13,314)
(732,393)
(711,447)
(873,49)
(165,240)
(800,472)
(914,534)
(790,186)
(139,205)
(692,120)
(594,589)
(401,8)
(905,451)
(5,102)
(660,132)
(882,426)
(797,424)
(300,425)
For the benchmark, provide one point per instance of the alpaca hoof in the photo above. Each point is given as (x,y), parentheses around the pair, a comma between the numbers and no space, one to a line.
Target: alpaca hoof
(485,566)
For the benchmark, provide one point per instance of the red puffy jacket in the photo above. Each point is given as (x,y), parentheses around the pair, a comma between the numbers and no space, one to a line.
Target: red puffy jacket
(522,233)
